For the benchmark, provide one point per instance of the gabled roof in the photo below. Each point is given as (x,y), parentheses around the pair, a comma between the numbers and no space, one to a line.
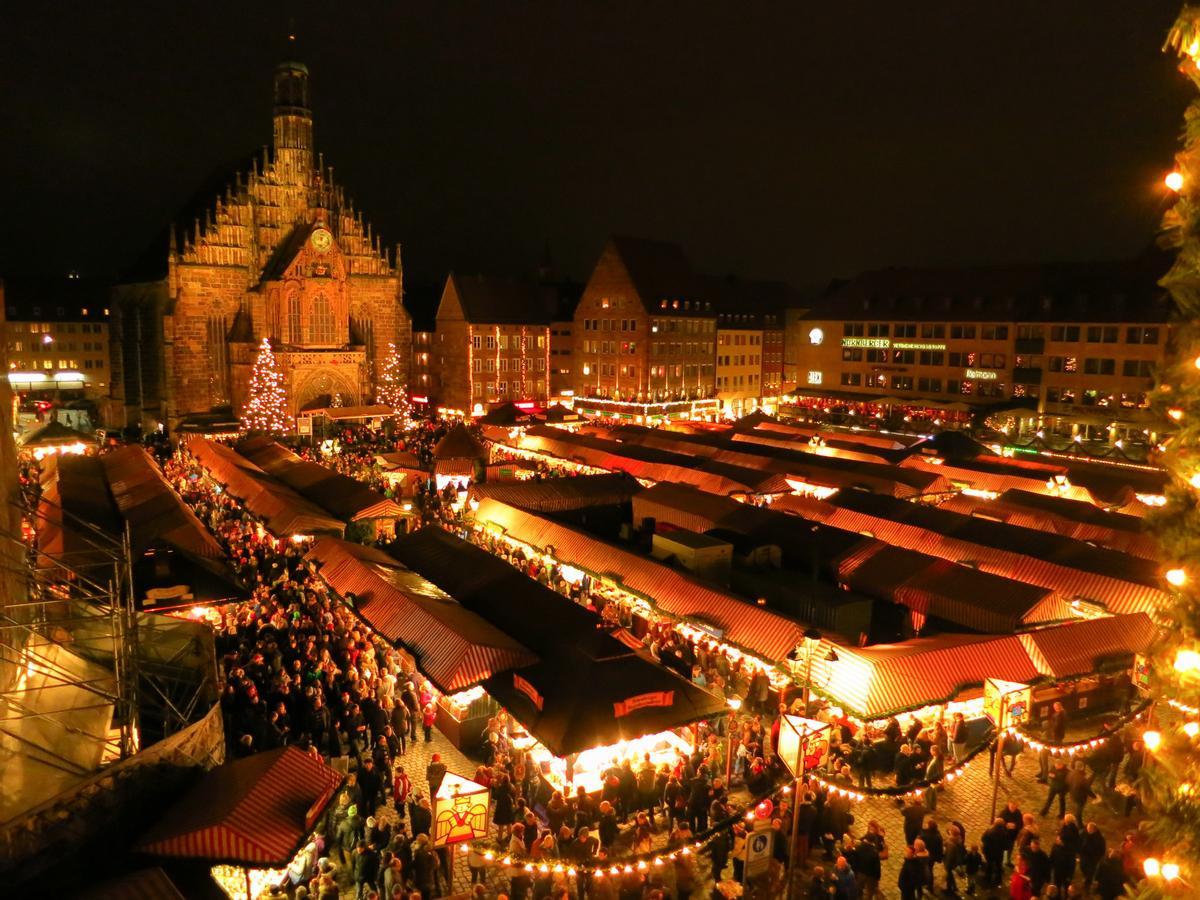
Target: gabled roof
(256,811)
(286,250)
(52,434)
(490,299)
(659,270)
(459,443)
(453,646)
(1113,291)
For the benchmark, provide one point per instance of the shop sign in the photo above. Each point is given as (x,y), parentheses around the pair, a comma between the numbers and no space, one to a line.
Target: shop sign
(304,425)
(460,811)
(916,345)
(643,701)
(1006,703)
(815,377)
(1141,673)
(981,374)
(759,845)
(529,691)
(801,737)
(874,343)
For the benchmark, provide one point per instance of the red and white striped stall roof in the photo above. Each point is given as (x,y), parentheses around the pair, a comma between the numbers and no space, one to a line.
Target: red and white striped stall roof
(253,812)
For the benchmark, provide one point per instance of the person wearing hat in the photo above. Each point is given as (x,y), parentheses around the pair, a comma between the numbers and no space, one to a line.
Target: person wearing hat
(434,773)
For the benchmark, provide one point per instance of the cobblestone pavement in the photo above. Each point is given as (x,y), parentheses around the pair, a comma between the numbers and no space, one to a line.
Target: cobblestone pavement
(967,800)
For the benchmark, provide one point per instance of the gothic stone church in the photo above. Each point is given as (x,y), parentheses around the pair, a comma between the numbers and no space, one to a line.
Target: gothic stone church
(280,254)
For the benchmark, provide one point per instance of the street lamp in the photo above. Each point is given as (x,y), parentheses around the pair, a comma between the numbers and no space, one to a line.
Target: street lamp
(812,640)
(735,704)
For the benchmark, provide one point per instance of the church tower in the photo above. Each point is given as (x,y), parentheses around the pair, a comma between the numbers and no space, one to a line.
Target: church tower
(293,124)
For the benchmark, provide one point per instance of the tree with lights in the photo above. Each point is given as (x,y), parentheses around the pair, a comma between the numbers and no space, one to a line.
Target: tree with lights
(1170,779)
(392,391)
(266,410)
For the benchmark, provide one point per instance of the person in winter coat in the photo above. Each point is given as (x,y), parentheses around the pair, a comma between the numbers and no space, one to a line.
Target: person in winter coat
(401,788)
(434,773)
(864,859)
(995,845)
(1110,877)
(912,875)
(1021,886)
(1092,847)
(1062,864)
(608,825)
(954,856)
(845,884)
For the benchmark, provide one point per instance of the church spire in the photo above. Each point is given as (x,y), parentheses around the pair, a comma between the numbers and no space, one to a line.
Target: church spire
(293,114)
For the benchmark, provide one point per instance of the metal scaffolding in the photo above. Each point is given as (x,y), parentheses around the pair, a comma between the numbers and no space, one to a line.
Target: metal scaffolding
(68,662)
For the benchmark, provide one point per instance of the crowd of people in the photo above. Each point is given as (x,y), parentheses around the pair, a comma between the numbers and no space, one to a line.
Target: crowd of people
(301,669)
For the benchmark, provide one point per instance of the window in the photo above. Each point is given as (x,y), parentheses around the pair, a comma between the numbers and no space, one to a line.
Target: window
(1099,366)
(904,357)
(1102,334)
(877,329)
(929,385)
(1068,333)
(929,330)
(902,382)
(321,329)
(962,332)
(933,357)
(851,379)
(877,356)
(295,329)
(1029,331)
(490,342)
(852,354)
(852,329)
(1139,368)
(906,330)
(1139,335)
(1056,363)
(995,333)
(476,341)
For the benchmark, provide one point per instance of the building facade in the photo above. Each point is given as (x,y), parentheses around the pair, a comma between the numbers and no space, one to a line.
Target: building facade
(749,361)
(280,254)
(1066,346)
(645,337)
(56,337)
(493,342)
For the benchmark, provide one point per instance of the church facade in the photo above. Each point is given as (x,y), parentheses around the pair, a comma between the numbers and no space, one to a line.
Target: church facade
(279,254)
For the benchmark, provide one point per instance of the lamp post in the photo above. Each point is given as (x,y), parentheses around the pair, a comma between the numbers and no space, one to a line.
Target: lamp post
(734,705)
(812,640)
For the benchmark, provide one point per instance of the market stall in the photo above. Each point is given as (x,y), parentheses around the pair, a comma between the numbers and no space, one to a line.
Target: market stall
(580,713)
(55,438)
(247,819)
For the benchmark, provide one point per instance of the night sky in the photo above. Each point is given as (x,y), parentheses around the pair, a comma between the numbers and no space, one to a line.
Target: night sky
(802,141)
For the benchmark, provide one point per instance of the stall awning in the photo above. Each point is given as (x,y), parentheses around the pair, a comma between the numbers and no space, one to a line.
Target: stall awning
(1072,568)
(454,468)
(559,494)
(573,703)
(1084,647)
(453,647)
(54,434)
(751,627)
(345,413)
(153,510)
(255,812)
(873,682)
(954,593)
(285,512)
(340,495)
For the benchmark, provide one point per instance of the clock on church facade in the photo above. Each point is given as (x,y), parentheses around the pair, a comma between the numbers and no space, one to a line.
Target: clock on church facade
(280,254)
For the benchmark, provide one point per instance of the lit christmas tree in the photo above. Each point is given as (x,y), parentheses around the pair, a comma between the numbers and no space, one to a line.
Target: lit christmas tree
(392,391)
(1170,779)
(266,410)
